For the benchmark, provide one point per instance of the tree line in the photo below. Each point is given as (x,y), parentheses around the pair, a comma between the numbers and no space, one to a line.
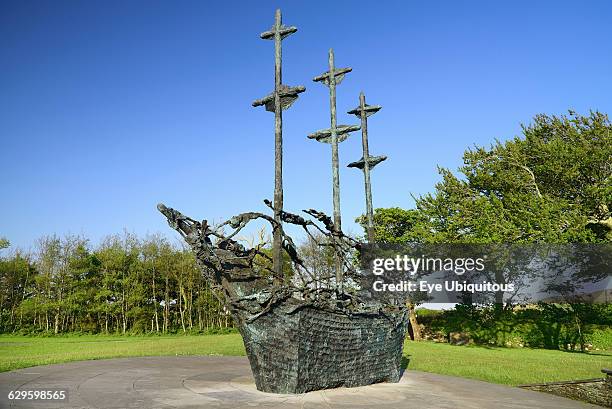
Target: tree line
(126,284)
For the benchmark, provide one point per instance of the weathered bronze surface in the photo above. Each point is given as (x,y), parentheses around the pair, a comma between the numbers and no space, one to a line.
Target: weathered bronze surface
(363,111)
(281,98)
(302,332)
(334,135)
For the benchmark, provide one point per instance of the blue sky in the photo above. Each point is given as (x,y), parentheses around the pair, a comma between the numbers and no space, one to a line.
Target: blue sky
(107,108)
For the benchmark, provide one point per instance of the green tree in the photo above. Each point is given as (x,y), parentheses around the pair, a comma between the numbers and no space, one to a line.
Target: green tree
(554,185)
(16,274)
(398,226)
(84,277)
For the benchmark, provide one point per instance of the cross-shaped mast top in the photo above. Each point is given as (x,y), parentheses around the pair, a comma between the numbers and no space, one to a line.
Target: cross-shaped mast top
(335,74)
(278,28)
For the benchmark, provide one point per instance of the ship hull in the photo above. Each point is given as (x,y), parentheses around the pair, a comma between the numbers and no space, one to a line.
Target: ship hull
(311,349)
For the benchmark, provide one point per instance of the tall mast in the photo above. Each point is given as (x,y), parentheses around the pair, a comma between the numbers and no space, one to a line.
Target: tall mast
(334,135)
(282,98)
(363,111)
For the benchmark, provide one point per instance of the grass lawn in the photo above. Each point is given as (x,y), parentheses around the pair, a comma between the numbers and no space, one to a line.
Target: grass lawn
(498,365)
(21,352)
(510,366)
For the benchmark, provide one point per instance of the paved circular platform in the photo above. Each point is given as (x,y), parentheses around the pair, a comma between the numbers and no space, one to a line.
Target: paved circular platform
(226,382)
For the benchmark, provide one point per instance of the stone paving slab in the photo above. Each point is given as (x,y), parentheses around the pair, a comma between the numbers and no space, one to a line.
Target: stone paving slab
(226,382)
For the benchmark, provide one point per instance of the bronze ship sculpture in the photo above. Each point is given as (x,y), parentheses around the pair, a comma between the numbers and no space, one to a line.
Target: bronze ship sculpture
(302,332)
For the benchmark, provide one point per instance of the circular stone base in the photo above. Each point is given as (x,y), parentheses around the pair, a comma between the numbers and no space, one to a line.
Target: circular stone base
(226,382)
